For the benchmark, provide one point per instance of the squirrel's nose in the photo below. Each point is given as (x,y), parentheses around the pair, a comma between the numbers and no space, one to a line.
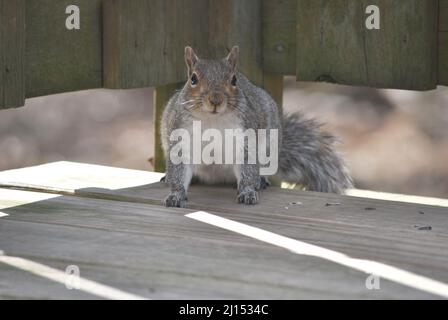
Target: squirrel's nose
(215,99)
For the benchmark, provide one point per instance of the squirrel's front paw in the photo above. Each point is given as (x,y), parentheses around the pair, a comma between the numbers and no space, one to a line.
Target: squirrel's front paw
(176,200)
(247,196)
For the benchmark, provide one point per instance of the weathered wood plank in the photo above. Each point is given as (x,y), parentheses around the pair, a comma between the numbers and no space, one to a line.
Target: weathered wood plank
(364,228)
(166,255)
(443,58)
(238,23)
(443,15)
(443,42)
(61,60)
(17,284)
(12,52)
(71,176)
(144,40)
(95,180)
(337,47)
(161,96)
(279,21)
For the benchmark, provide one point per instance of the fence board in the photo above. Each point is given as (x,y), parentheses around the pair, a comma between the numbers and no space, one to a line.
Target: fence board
(144,42)
(144,39)
(443,42)
(337,47)
(279,36)
(238,23)
(57,59)
(443,15)
(12,48)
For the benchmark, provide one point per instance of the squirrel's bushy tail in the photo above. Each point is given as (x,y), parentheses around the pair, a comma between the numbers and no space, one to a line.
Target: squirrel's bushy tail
(307,157)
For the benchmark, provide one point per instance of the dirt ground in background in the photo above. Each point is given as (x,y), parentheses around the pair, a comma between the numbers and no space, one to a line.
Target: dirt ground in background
(395,141)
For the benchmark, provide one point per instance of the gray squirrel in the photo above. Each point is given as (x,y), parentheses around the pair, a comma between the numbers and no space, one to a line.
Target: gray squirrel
(222,98)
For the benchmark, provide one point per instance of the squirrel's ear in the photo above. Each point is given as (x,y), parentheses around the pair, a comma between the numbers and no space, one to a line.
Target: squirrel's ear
(190,58)
(232,58)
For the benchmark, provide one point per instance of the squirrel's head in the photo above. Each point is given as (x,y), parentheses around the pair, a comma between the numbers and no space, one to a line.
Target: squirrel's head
(212,84)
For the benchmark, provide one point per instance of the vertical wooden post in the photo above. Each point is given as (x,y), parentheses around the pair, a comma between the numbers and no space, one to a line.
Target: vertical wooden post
(161,96)
(273,84)
(12,51)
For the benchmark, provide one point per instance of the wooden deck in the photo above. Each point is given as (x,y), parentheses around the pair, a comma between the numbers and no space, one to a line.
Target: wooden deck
(109,223)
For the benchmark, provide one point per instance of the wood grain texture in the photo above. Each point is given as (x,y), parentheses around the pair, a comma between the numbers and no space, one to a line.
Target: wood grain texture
(443,42)
(159,253)
(443,15)
(144,40)
(71,176)
(61,60)
(364,228)
(238,23)
(337,47)
(279,19)
(18,284)
(443,58)
(12,52)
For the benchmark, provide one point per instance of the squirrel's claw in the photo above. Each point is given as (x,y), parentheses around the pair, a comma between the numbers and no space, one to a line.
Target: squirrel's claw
(175,200)
(163,179)
(247,196)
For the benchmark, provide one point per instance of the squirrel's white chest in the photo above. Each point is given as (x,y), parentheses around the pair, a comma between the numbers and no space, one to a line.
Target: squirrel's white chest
(217,173)
(220,122)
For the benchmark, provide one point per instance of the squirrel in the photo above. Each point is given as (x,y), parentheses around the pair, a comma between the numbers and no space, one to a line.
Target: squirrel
(221,97)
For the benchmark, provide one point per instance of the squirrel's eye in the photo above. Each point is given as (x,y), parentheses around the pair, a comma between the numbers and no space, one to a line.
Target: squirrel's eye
(194,79)
(233,81)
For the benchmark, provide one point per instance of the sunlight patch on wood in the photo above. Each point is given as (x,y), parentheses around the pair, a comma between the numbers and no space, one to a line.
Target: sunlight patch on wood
(72,176)
(14,198)
(397,197)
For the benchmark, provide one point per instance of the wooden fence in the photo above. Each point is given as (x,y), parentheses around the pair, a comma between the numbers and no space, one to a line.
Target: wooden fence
(139,43)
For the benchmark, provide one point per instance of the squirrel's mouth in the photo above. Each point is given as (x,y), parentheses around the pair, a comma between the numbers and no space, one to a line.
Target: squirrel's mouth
(212,109)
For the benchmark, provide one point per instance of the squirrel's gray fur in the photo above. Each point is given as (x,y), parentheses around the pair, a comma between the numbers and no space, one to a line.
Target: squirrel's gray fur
(306,154)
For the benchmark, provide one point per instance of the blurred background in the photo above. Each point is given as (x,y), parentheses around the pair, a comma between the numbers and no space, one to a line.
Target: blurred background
(393,140)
